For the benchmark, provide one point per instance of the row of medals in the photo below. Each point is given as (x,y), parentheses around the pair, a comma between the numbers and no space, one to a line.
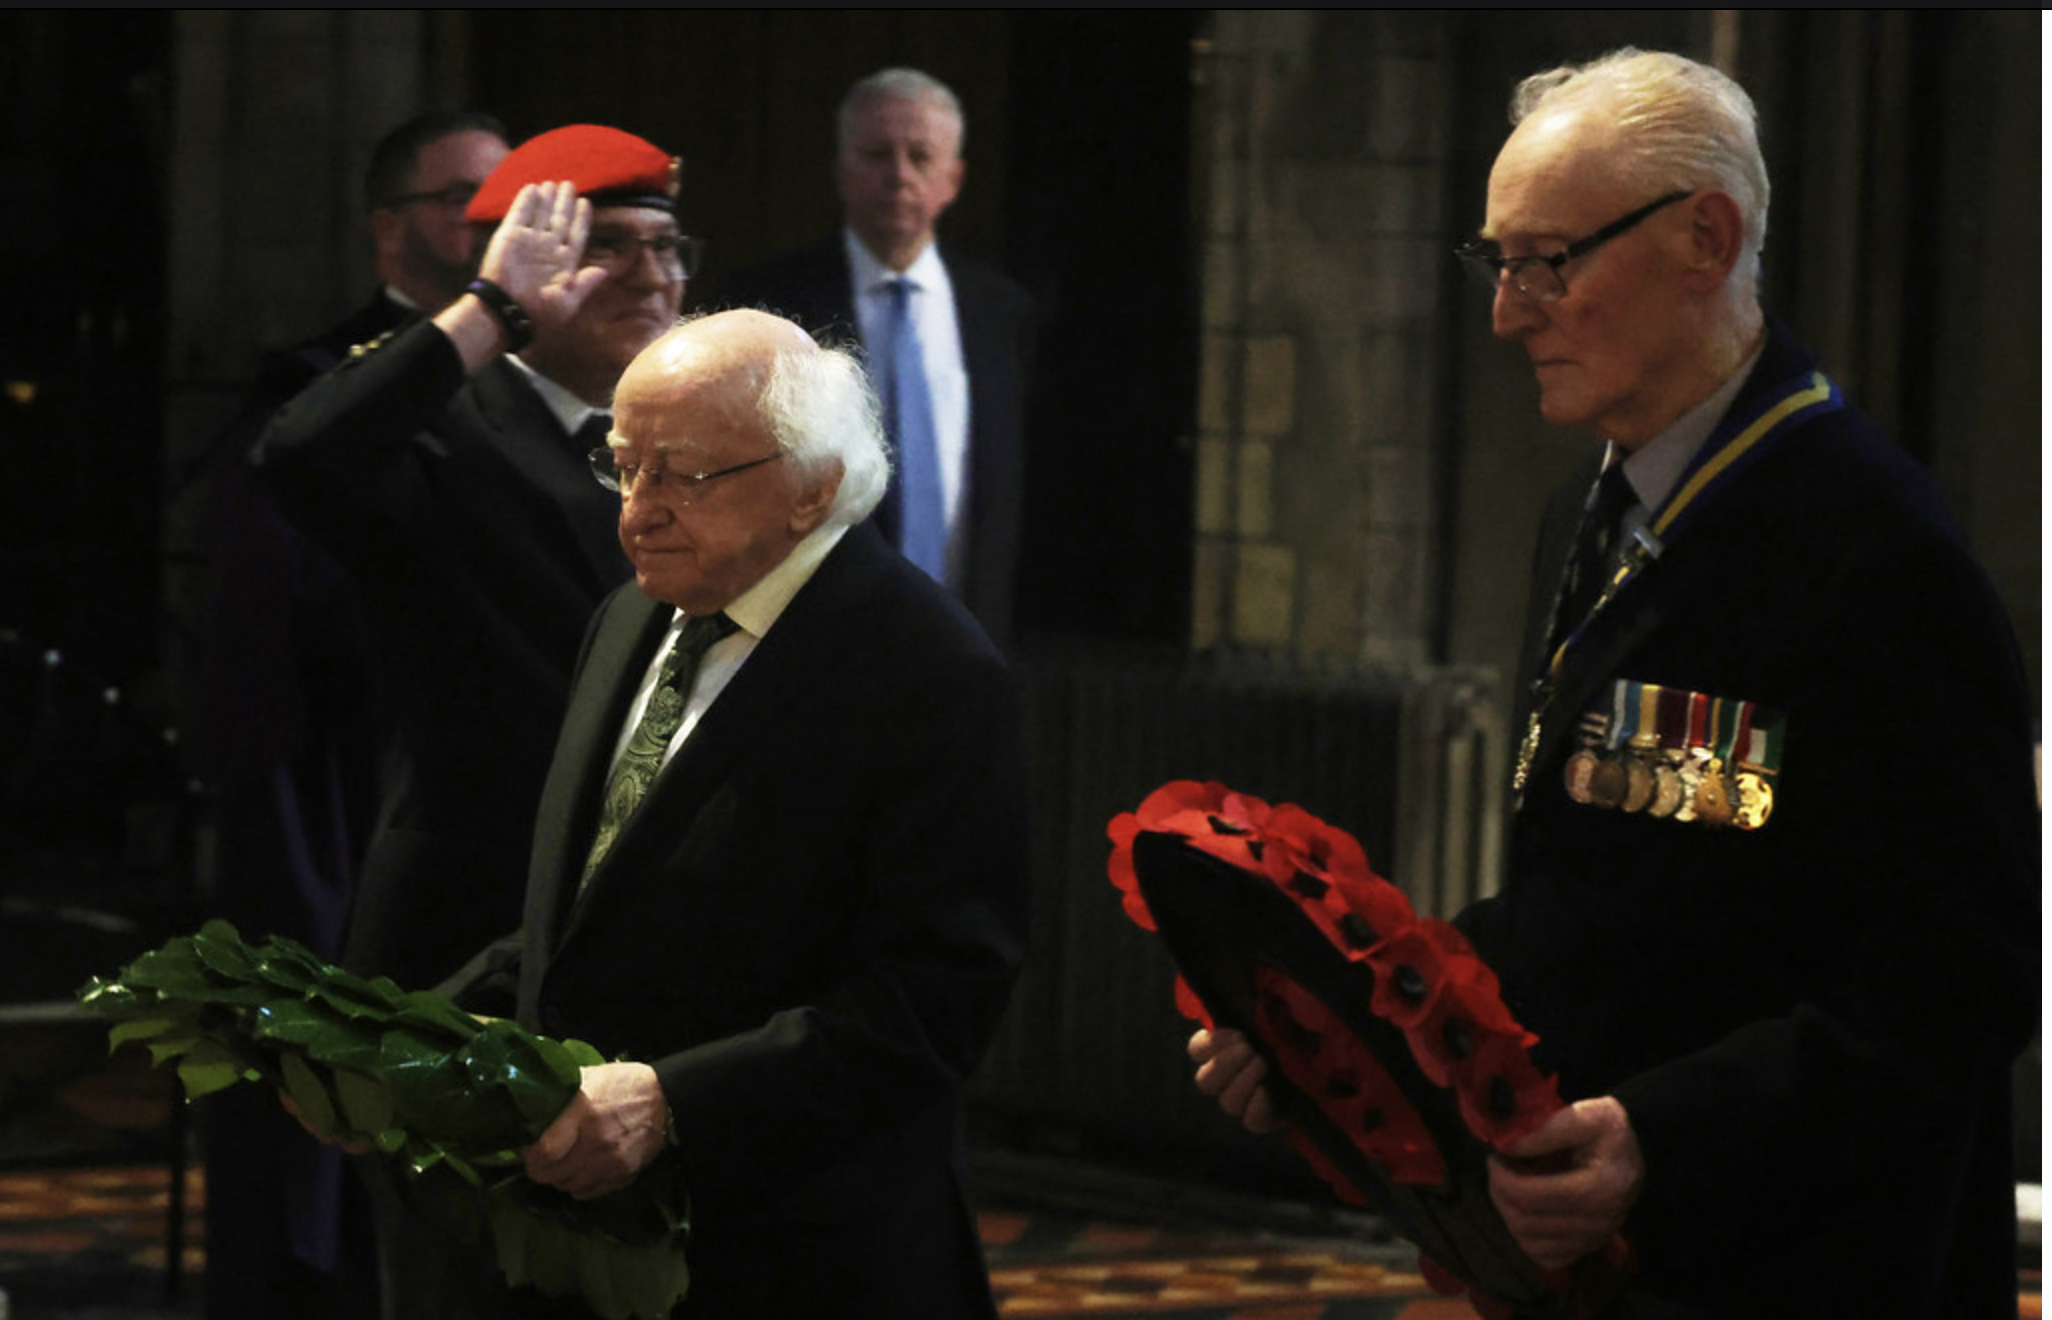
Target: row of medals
(1685,784)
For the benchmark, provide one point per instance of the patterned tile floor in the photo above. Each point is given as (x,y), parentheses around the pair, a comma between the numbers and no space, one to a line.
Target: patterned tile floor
(89,1244)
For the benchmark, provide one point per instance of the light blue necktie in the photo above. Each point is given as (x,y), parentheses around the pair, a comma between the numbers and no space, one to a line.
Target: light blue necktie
(922,518)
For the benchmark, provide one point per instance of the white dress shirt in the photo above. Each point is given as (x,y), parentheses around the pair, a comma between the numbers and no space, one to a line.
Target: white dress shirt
(754,612)
(940,341)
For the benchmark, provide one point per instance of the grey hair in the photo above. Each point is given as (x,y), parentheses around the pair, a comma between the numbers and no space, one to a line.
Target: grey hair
(1686,125)
(898,85)
(823,411)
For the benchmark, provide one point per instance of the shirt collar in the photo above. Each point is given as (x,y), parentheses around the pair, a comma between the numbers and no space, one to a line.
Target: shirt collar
(1656,467)
(757,609)
(927,271)
(569,410)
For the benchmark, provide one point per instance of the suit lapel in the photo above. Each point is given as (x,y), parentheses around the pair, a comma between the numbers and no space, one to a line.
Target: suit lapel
(630,629)
(770,690)
(535,444)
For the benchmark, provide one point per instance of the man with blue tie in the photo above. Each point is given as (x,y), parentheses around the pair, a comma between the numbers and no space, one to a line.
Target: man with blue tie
(947,339)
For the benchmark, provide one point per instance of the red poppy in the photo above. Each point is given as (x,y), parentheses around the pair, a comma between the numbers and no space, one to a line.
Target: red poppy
(1123,830)
(1504,1096)
(1410,968)
(1330,1065)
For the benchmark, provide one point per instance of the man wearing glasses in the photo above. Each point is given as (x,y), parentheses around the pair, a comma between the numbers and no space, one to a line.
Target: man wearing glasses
(1771,900)
(444,467)
(780,859)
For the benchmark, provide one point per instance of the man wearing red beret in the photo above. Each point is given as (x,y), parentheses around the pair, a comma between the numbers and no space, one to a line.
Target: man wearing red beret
(445,467)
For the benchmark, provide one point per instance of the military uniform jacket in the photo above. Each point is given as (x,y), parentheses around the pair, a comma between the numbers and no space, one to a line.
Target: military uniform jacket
(1810,1023)
(480,545)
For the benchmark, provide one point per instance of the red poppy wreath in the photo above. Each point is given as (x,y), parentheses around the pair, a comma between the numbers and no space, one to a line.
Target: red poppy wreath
(1400,1066)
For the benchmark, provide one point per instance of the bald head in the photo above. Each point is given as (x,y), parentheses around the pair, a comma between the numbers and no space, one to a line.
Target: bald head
(746,437)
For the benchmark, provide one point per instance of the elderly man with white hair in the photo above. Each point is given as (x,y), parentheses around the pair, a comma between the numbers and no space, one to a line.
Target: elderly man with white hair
(780,856)
(1771,902)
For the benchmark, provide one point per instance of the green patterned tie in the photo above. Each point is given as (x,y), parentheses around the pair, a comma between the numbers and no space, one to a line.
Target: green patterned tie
(642,758)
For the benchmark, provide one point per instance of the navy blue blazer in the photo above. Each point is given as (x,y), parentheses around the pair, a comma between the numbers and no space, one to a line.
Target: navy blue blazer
(811,286)
(1811,1024)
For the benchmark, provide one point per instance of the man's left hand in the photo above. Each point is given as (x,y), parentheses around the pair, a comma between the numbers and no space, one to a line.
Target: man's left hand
(1564,1190)
(609,1133)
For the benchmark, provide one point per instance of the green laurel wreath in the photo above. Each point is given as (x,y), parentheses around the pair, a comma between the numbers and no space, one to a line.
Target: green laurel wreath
(448,1097)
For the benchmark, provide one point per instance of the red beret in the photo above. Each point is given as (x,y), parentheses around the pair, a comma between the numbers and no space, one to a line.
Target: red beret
(610,167)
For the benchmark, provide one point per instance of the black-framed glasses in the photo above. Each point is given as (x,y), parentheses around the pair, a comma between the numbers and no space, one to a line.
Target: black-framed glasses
(676,255)
(455,196)
(681,487)
(1539,277)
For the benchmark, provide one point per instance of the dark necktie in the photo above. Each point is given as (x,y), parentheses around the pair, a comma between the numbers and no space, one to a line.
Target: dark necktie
(1589,567)
(922,520)
(642,758)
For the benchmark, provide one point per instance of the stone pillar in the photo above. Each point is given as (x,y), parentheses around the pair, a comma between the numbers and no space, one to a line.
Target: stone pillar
(1323,152)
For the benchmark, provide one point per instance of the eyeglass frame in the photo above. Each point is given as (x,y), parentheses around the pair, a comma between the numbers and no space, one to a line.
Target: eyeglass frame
(1484,257)
(688,252)
(451,195)
(605,469)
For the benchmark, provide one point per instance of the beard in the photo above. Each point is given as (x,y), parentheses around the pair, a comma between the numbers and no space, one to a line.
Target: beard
(430,269)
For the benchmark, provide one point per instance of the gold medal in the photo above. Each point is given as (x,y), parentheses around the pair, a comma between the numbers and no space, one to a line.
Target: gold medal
(1755,800)
(1713,797)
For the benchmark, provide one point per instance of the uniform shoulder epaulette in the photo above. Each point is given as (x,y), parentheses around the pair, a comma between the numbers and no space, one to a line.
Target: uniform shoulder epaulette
(370,346)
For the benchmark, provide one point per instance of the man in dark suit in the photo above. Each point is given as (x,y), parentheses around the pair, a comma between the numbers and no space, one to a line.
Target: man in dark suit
(443,467)
(1772,895)
(787,878)
(898,168)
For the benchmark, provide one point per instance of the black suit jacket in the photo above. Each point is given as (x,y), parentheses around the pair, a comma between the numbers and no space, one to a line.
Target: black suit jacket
(995,315)
(1811,1024)
(480,544)
(809,928)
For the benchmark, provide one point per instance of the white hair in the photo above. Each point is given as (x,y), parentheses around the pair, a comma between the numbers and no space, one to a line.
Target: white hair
(1686,125)
(823,411)
(898,85)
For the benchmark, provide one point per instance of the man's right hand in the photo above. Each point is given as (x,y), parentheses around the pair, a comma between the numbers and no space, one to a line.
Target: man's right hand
(1230,1071)
(536,255)
(537,252)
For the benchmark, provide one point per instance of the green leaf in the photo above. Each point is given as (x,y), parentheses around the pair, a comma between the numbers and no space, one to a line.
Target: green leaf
(174,969)
(316,1106)
(649,1281)
(354,997)
(202,1077)
(366,1102)
(290,1022)
(435,1015)
(145,1028)
(166,1048)
(224,953)
(594,1256)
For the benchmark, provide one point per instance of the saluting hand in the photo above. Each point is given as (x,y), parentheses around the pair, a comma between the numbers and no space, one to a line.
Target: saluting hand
(536,254)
